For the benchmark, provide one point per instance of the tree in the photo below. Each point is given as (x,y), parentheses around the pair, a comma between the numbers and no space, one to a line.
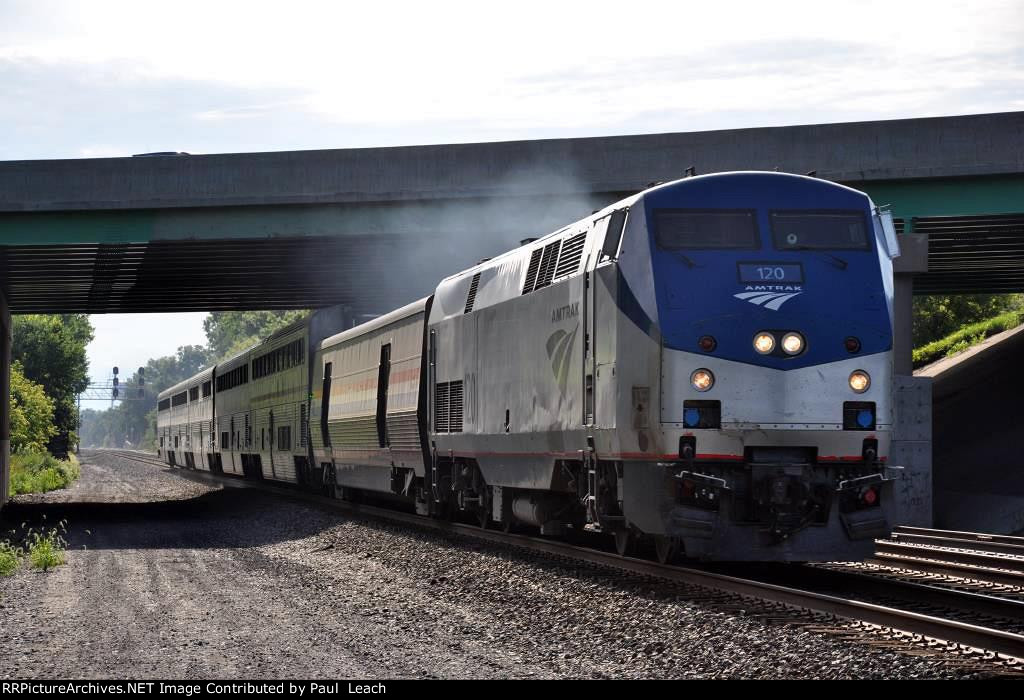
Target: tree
(133,419)
(51,350)
(937,316)
(229,332)
(31,413)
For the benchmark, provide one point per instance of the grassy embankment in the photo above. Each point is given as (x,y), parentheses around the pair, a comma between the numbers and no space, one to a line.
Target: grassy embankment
(38,472)
(44,549)
(966,337)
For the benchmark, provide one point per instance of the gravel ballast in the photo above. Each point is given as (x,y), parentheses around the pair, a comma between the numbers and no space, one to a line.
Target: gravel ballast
(167,577)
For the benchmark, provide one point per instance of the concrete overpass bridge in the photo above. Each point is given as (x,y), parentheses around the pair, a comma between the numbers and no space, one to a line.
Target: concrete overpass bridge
(313,228)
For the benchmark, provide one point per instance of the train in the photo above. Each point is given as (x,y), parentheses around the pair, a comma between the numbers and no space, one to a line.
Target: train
(705,366)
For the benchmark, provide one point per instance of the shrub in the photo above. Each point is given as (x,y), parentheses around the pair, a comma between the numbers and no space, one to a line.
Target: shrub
(37,472)
(46,549)
(966,337)
(10,557)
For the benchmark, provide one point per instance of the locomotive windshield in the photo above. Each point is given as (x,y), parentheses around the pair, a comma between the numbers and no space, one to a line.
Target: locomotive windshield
(678,229)
(829,230)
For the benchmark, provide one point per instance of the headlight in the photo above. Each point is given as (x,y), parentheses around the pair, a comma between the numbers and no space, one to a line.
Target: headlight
(860,381)
(793,343)
(702,379)
(764,343)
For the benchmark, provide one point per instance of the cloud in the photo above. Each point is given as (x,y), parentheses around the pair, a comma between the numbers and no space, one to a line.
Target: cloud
(126,77)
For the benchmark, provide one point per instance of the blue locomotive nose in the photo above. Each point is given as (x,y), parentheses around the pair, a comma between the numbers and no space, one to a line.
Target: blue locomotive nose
(798,264)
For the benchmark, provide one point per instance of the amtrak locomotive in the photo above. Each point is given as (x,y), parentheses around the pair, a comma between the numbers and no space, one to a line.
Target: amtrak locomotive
(706,364)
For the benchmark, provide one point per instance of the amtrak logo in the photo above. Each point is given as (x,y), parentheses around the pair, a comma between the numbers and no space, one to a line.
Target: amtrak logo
(770,297)
(560,346)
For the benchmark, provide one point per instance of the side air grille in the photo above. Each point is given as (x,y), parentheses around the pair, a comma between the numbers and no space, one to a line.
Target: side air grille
(531,271)
(455,416)
(448,397)
(547,265)
(471,297)
(441,408)
(572,253)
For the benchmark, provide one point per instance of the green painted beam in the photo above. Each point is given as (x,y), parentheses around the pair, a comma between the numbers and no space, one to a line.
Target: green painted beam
(503,218)
(965,196)
(511,217)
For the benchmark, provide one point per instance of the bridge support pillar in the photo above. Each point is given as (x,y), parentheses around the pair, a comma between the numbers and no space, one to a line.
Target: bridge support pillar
(912,431)
(5,400)
(913,260)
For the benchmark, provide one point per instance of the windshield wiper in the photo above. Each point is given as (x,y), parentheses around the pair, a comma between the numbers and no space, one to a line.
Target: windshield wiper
(689,263)
(833,259)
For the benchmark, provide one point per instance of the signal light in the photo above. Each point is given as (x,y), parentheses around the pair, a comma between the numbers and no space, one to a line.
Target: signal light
(860,381)
(793,343)
(702,379)
(870,496)
(707,343)
(764,343)
(852,344)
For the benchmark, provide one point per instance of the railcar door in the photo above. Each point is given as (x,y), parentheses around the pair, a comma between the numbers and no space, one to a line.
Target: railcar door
(602,251)
(589,337)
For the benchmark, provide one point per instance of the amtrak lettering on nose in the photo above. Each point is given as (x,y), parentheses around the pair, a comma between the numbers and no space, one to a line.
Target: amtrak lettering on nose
(769,296)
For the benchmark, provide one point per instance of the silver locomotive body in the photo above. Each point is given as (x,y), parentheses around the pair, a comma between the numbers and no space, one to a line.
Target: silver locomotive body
(628,374)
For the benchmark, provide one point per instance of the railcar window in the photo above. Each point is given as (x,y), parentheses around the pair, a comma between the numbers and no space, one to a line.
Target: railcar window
(285,357)
(814,230)
(686,229)
(164,405)
(236,377)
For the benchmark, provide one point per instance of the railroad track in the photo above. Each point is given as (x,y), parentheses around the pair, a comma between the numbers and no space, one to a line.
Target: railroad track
(981,558)
(949,620)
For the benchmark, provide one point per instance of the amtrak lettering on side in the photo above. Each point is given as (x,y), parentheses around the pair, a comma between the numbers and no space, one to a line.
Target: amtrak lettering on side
(564,313)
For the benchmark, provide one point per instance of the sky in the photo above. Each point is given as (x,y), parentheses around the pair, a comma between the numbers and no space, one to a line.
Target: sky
(98,78)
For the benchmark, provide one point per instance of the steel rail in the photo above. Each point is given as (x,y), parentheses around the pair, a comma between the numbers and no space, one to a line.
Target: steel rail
(959,543)
(981,537)
(954,556)
(950,631)
(1002,577)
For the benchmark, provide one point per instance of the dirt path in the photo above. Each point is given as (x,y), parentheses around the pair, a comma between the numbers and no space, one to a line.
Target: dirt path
(173,596)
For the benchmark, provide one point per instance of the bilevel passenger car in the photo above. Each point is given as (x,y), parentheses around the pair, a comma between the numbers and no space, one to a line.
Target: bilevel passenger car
(707,364)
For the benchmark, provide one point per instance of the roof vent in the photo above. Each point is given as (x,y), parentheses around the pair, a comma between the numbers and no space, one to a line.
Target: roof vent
(547,265)
(471,297)
(527,241)
(572,253)
(531,270)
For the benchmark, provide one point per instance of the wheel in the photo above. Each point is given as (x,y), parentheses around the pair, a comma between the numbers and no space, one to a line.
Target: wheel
(668,549)
(330,485)
(483,511)
(624,541)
